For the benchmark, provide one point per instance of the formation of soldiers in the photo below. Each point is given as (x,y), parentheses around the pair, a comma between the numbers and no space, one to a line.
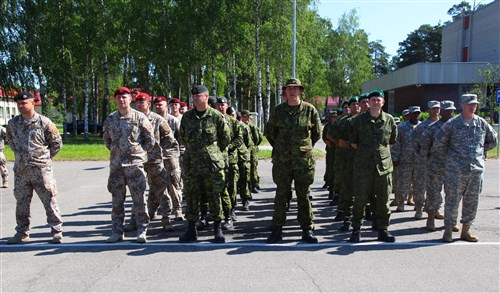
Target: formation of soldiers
(207,156)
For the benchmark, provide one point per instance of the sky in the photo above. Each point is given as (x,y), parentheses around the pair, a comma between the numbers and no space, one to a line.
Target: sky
(390,20)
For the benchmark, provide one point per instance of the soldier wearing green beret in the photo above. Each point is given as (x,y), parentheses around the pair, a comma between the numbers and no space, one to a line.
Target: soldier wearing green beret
(292,130)
(246,158)
(256,136)
(372,134)
(206,137)
(329,176)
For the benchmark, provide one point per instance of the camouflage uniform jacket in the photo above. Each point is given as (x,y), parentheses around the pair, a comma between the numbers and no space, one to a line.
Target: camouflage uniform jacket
(464,144)
(416,134)
(245,148)
(256,136)
(374,137)
(164,138)
(403,151)
(182,148)
(292,132)
(426,141)
(236,139)
(175,127)
(34,140)
(3,135)
(206,136)
(128,137)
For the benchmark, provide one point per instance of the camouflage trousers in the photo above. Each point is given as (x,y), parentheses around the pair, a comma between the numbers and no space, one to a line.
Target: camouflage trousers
(135,178)
(3,169)
(158,195)
(233,176)
(435,180)
(465,186)
(329,170)
(207,187)
(41,180)
(346,199)
(420,183)
(337,168)
(254,163)
(283,176)
(244,180)
(174,184)
(374,188)
(406,174)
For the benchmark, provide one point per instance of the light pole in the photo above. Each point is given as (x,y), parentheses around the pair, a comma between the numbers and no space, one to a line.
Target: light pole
(294,37)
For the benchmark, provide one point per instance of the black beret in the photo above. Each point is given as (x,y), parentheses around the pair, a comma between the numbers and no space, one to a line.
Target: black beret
(221,100)
(199,89)
(212,101)
(23,96)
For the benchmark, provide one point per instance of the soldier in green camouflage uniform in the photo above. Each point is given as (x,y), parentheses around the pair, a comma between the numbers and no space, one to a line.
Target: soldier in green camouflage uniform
(330,153)
(292,131)
(206,136)
(372,134)
(128,134)
(35,140)
(256,137)
(333,135)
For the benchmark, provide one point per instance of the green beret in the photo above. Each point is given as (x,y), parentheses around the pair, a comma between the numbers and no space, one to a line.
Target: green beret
(345,103)
(376,93)
(363,96)
(340,111)
(354,99)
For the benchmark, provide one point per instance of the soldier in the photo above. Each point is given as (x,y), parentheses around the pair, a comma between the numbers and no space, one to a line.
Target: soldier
(256,136)
(463,140)
(175,106)
(206,136)
(156,173)
(171,159)
(3,160)
(404,157)
(244,162)
(292,130)
(433,108)
(435,165)
(337,167)
(372,134)
(35,140)
(128,134)
(330,153)
(183,109)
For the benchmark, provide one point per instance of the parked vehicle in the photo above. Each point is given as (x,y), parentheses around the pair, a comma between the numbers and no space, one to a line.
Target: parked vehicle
(80,127)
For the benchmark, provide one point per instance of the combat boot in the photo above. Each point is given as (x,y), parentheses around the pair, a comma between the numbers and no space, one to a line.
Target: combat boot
(115,237)
(410,201)
(385,236)
(448,234)
(355,236)
(308,236)
(5,183)
(190,235)
(141,237)
(228,222)
(439,216)
(467,234)
(401,206)
(233,216)
(18,238)
(254,189)
(346,225)
(339,217)
(368,213)
(203,223)
(167,225)
(218,236)
(57,238)
(246,205)
(276,234)
(132,226)
(455,228)
(429,225)
(418,214)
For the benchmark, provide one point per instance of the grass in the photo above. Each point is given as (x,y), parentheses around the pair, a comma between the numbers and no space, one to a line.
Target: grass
(493,153)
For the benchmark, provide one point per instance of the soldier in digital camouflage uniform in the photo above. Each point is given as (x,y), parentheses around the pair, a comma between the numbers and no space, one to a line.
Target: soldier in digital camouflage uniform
(404,157)
(232,172)
(35,140)
(419,185)
(157,175)
(128,134)
(171,159)
(371,135)
(3,160)
(464,141)
(206,136)
(435,165)
(292,130)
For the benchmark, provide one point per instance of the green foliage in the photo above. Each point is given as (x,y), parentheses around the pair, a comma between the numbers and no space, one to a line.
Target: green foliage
(486,89)
(421,45)
(459,10)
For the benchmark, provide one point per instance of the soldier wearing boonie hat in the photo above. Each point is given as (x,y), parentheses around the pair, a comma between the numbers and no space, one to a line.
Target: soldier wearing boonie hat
(435,166)
(463,140)
(35,140)
(419,186)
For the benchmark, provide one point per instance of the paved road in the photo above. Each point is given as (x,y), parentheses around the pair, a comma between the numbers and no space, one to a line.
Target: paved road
(418,261)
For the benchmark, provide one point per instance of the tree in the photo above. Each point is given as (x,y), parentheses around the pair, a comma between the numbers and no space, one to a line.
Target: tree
(421,45)
(486,90)
(459,10)
(380,59)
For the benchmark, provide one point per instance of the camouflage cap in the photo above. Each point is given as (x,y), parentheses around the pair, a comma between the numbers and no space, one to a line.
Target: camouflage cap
(433,104)
(245,113)
(293,82)
(199,89)
(397,120)
(332,113)
(414,109)
(469,99)
(448,105)
(221,100)
(376,93)
(353,99)
(405,112)
(23,96)
(363,96)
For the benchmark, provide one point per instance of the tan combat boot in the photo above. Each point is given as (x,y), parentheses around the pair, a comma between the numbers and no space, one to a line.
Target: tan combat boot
(438,215)
(419,214)
(448,234)
(467,234)
(410,201)
(5,183)
(57,238)
(430,226)
(18,238)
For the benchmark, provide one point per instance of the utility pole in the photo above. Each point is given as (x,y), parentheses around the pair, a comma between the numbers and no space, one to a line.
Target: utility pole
(294,37)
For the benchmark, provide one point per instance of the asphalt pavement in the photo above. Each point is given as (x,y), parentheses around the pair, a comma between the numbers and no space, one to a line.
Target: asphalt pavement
(418,261)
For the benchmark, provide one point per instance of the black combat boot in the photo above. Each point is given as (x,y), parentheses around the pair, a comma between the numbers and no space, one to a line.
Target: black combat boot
(368,213)
(339,217)
(308,236)
(355,236)
(228,221)
(203,223)
(218,236)
(276,234)
(346,225)
(191,233)
(385,236)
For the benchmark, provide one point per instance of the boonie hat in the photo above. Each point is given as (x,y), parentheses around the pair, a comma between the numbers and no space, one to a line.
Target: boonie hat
(433,104)
(448,105)
(414,109)
(293,82)
(245,113)
(469,99)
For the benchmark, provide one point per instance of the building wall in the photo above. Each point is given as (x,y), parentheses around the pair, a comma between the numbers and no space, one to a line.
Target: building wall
(419,96)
